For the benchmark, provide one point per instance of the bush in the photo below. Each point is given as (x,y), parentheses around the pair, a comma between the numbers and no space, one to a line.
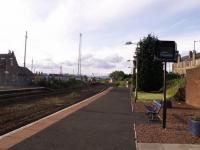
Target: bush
(121,83)
(172,76)
(176,89)
(58,84)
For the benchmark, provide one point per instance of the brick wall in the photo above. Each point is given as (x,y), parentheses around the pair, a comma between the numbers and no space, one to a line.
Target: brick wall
(193,87)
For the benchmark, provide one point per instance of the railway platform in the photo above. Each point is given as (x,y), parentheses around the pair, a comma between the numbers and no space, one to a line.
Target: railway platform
(102,122)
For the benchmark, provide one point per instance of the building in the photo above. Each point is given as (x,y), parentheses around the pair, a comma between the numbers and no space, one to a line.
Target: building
(187,62)
(11,73)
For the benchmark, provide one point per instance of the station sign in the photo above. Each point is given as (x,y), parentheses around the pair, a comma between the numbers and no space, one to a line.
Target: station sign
(166,51)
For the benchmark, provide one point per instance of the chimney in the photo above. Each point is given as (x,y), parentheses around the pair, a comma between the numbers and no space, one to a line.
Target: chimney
(190,55)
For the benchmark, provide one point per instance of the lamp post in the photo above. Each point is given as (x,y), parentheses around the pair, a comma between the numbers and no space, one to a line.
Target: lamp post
(136,66)
(136,77)
(195,43)
(133,72)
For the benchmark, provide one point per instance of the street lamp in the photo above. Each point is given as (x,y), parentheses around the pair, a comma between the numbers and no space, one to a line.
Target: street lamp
(195,43)
(136,66)
(133,72)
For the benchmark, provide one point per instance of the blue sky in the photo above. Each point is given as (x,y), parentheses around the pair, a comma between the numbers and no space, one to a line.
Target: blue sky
(54,25)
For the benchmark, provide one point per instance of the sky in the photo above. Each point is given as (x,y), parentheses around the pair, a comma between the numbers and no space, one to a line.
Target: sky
(54,26)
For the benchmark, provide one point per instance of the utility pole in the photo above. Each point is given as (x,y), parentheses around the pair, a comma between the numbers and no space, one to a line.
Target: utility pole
(32,65)
(25,49)
(61,70)
(79,56)
(136,67)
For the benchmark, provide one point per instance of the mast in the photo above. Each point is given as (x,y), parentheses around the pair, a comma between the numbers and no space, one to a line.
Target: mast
(79,56)
(25,49)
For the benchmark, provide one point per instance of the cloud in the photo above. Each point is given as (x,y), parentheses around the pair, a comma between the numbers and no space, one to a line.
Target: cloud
(102,64)
(93,62)
(115,58)
(54,26)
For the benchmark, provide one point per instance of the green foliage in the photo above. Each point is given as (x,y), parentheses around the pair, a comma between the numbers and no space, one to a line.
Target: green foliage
(117,75)
(120,83)
(176,89)
(120,78)
(58,84)
(150,72)
(171,76)
(104,81)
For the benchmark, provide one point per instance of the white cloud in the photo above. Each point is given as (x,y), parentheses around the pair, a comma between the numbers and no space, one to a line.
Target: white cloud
(54,25)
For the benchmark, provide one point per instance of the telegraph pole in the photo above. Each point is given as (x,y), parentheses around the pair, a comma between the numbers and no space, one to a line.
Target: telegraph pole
(32,65)
(61,70)
(25,49)
(79,56)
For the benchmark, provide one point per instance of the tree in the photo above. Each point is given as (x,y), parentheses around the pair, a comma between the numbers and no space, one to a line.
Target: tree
(117,75)
(150,72)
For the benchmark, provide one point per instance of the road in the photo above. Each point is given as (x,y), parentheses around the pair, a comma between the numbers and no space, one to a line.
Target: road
(105,124)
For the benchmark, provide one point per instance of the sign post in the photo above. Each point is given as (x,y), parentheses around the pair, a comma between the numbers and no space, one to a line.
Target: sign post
(164,98)
(165,51)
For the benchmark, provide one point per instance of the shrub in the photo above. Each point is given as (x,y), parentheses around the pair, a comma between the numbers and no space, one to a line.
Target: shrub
(176,89)
(58,84)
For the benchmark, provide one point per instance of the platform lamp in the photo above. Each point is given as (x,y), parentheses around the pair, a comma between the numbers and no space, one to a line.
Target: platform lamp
(136,66)
(133,72)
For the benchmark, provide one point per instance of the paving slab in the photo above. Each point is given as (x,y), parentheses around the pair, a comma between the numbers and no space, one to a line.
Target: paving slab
(104,124)
(159,146)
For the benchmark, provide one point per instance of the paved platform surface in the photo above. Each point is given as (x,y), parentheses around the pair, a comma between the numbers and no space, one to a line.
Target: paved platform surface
(158,146)
(105,124)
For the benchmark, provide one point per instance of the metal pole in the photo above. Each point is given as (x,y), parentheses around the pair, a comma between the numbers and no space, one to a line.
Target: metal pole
(133,78)
(136,79)
(164,102)
(80,52)
(32,66)
(25,50)
(194,45)
(79,57)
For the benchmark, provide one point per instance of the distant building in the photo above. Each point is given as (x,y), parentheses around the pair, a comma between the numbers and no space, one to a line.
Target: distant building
(187,62)
(11,73)
(63,77)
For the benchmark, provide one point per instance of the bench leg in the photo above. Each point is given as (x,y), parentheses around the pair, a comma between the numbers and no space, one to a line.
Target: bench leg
(152,117)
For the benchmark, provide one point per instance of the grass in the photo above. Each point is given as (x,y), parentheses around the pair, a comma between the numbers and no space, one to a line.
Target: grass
(146,96)
(172,88)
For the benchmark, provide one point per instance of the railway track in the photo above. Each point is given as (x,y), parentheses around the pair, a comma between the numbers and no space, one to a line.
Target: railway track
(23,106)
(31,93)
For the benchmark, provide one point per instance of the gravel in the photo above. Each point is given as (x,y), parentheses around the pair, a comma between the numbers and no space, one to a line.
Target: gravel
(177,125)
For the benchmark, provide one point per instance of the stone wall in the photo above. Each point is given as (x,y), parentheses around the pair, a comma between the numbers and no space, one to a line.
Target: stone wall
(193,87)
(187,62)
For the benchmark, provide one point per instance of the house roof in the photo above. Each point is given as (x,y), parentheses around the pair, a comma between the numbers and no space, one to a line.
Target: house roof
(187,57)
(9,55)
(25,71)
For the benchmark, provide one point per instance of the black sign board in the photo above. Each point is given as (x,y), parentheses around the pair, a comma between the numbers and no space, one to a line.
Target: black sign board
(166,51)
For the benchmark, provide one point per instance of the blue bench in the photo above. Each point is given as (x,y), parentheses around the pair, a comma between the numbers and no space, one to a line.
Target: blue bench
(153,110)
